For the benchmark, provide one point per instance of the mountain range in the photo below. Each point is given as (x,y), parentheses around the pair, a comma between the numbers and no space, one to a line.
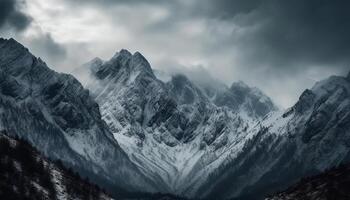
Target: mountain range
(128,131)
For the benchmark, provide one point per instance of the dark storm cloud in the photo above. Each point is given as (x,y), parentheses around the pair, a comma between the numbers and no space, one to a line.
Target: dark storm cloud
(51,51)
(282,46)
(226,9)
(289,33)
(11,16)
(278,34)
(125,2)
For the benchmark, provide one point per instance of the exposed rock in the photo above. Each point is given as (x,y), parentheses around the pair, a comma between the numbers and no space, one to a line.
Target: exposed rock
(57,115)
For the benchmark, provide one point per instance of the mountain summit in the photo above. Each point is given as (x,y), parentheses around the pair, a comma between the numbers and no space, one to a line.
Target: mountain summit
(173,131)
(223,144)
(134,132)
(57,115)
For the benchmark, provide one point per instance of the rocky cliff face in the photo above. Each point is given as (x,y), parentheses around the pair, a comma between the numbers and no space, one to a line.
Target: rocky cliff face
(57,115)
(232,143)
(241,97)
(178,137)
(175,131)
(308,138)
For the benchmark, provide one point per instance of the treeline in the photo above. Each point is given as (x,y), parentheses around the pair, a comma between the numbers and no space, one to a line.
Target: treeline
(333,183)
(26,174)
(22,175)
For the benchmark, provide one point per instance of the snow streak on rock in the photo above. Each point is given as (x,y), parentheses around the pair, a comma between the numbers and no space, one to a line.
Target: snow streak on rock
(176,132)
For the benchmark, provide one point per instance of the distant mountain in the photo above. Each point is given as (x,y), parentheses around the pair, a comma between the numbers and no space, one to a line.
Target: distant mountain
(241,97)
(331,184)
(176,132)
(26,174)
(57,116)
(227,143)
(135,132)
(306,139)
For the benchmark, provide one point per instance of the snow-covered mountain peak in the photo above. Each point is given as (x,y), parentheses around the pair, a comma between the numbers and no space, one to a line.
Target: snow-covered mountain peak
(140,63)
(56,114)
(123,65)
(330,91)
(11,43)
(242,98)
(122,53)
(184,91)
(172,130)
(12,51)
(95,62)
(239,85)
(330,85)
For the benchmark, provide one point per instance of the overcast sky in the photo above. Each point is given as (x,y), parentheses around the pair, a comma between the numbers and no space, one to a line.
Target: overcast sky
(282,47)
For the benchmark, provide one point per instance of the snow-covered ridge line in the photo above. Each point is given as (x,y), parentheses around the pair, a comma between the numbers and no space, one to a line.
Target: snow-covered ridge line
(176,136)
(57,115)
(196,141)
(175,131)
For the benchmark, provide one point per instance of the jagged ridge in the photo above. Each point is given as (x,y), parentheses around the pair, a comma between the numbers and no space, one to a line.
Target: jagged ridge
(175,132)
(57,115)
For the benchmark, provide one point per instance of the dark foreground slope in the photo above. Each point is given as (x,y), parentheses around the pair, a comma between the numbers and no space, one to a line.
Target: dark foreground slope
(332,184)
(26,174)
(307,139)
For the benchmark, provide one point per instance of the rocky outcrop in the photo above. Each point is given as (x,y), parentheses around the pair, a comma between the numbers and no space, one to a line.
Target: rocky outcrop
(156,121)
(57,116)
(308,138)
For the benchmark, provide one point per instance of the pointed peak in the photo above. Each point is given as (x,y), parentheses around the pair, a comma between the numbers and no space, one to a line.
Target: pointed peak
(13,50)
(96,60)
(180,78)
(12,40)
(239,84)
(122,53)
(12,43)
(141,62)
(93,64)
(138,56)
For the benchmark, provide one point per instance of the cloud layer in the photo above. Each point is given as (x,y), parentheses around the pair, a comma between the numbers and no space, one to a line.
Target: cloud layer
(12,17)
(281,47)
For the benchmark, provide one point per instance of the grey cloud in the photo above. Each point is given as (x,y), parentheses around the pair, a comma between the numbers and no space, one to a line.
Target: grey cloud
(125,2)
(290,34)
(280,46)
(47,48)
(12,17)
(286,35)
(226,9)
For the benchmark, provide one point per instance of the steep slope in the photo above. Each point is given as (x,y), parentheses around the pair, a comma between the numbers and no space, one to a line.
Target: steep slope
(240,97)
(173,131)
(332,184)
(56,115)
(26,174)
(308,138)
